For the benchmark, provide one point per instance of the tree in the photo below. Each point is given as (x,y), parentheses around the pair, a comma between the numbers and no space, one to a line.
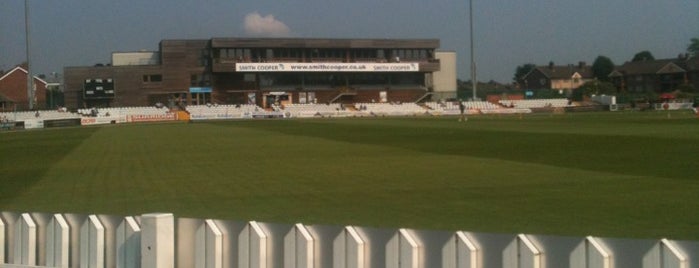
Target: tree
(593,87)
(602,67)
(643,56)
(693,48)
(596,88)
(687,88)
(521,71)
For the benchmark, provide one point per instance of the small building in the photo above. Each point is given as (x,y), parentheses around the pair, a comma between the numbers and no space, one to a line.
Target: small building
(13,91)
(558,77)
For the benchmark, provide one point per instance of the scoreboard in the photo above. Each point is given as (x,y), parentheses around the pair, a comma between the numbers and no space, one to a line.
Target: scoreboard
(98,88)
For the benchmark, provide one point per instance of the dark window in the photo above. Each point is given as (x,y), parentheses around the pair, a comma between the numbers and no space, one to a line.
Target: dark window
(152,78)
(203,80)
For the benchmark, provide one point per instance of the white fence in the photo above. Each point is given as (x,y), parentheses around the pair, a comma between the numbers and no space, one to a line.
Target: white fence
(674,106)
(160,240)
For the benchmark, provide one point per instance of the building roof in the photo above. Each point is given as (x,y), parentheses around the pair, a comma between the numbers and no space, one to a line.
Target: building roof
(20,68)
(650,67)
(564,72)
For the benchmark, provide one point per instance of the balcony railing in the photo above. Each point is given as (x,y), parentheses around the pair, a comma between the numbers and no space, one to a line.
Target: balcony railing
(228,64)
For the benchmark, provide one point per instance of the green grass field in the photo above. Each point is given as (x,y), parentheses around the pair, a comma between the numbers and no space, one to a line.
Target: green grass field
(604,174)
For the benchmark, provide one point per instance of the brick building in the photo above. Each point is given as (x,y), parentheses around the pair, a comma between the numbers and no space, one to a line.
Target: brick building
(267,70)
(13,91)
(659,76)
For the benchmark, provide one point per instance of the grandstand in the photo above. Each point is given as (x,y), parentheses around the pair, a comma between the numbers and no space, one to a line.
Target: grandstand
(481,105)
(390,109)
(452,108)
(38,115)
(444,108)
(225,111)
(312,110)
(537,103)
(112,115)
(472,107)
(123,111)
(268,71)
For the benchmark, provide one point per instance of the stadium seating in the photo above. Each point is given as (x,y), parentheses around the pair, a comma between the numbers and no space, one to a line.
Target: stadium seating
(226,111)
(311,110)
(237,111)
(42,115)
(443,108)
(481,105)
(390,109)
(536,103)
(123,111)
(452,108)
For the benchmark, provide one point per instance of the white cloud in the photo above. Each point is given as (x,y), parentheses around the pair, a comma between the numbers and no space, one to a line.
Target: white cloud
(257,25)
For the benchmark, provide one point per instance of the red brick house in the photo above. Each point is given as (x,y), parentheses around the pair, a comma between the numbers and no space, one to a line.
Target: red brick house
(660,76)
(13,90)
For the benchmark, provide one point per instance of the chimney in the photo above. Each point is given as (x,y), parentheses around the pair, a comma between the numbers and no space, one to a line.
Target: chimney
(551,65)
(581,64)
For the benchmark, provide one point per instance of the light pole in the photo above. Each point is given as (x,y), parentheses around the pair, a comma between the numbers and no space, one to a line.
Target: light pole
(30,79)
(473,60)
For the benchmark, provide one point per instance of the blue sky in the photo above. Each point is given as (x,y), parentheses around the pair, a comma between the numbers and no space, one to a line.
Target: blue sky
(507,33)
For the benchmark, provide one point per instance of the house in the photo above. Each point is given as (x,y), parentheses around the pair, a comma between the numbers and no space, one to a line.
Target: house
(659,76)
(558,77)
(13,91)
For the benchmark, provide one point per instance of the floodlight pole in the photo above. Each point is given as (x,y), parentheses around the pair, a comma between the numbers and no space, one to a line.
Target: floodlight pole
(30,79)
(473,60)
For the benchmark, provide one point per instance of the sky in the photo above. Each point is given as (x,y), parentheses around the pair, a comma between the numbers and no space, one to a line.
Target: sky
(506,33)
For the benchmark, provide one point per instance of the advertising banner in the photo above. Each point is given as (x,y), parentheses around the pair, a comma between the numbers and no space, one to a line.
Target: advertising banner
(33,123)
(151,117)
(102,120)
(327,67)
(196,117)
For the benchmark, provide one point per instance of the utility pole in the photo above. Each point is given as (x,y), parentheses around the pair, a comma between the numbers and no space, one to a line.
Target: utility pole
(473,60)
(30,78)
